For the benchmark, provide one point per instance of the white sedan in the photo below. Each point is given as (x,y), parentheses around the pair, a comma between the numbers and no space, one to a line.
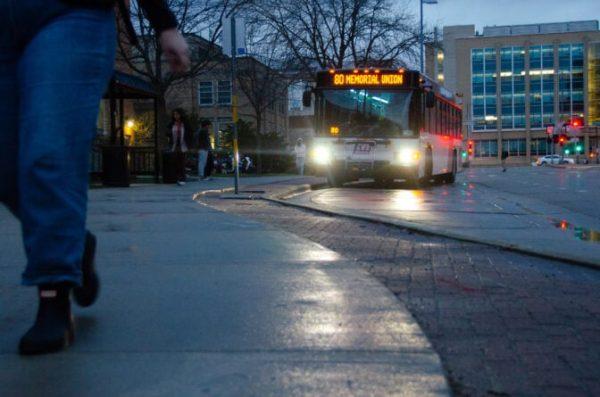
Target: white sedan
(554,159)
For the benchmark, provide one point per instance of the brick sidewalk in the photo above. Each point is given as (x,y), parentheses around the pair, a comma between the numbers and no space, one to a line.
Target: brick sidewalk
(503,323)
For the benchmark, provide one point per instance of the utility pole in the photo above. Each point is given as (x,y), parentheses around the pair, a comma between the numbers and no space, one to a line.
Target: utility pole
(236,153)
(421,36)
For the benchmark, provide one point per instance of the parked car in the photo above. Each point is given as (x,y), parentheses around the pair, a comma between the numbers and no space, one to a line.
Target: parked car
(554,159)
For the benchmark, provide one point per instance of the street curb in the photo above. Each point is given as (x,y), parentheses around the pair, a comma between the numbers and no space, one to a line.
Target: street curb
(443,233)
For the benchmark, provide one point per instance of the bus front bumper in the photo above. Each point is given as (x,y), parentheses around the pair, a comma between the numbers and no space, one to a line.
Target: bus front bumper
(376,169)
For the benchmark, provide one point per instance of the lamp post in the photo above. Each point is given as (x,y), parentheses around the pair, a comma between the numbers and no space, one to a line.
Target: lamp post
(421,37)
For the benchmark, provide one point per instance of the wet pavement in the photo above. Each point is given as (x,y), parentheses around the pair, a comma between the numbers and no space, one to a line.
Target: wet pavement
(198,302)
(504,323)
(480,208)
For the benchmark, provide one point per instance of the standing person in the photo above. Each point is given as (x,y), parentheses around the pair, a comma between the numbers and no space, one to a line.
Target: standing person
(503,158)
(203,148)
(300,151)
(180,139)
(56,58)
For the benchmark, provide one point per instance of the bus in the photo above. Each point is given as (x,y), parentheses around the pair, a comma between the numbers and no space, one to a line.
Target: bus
(385,125)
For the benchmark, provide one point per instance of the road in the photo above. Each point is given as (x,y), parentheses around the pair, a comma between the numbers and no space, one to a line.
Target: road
(487,206)
(577,190)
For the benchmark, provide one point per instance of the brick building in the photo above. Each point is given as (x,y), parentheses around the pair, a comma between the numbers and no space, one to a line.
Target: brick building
(209,94)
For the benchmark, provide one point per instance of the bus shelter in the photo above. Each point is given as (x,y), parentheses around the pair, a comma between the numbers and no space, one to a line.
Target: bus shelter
(119,161)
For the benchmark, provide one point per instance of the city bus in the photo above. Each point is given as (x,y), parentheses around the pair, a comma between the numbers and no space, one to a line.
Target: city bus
(384,125)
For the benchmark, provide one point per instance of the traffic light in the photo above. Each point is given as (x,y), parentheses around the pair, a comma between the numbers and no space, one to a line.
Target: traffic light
(470,148)
(577,122)
(562,139)
(578,148)
(567,151)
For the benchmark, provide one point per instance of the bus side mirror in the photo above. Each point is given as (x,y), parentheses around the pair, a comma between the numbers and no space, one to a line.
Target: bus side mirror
(307,98)
(430,99)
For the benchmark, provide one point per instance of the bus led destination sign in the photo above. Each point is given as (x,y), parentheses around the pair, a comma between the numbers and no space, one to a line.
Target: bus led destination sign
(340,79)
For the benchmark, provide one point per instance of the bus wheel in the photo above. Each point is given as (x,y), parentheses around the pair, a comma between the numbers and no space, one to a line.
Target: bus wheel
(451,177)
(428,169)
(334,179)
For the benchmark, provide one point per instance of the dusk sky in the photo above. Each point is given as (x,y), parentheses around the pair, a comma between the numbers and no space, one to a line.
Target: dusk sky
(506,12)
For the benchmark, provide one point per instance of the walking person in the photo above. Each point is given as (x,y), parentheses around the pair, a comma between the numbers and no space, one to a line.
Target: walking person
(180,139)
(300,151)
(203,148)
(503,158)
(56,58)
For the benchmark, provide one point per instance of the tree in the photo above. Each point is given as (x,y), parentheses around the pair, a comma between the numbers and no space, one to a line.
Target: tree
(199,21)
(264,88)
(338,33)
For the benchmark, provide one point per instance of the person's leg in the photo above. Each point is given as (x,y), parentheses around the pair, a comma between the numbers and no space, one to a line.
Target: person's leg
(9,114)
(302,166)
(202,157)
(63,72)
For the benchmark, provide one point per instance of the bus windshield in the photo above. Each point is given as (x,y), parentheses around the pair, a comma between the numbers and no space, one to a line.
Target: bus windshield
(364,113)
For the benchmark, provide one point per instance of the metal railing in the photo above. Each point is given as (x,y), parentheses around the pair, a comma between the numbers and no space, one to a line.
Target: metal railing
(141,160)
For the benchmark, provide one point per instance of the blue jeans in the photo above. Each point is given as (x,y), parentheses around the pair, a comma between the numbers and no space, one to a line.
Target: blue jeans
(202,158)
(55,63)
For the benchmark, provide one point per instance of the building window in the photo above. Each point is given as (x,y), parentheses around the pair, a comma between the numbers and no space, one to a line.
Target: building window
(515,147)
(205,93)
(224,92)
(570,80)
(594,84)
(486,148)
(539,147)
(483,86)
(222,126)
(512,87)
(541,85)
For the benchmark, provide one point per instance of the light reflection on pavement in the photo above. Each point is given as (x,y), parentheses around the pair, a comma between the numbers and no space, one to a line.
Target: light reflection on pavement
(468,210)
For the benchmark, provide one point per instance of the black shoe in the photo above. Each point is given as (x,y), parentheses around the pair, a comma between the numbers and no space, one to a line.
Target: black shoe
(53,327)
(86,294)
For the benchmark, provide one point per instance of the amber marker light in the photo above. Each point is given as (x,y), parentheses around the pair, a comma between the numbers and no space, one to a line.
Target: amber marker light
(331,71)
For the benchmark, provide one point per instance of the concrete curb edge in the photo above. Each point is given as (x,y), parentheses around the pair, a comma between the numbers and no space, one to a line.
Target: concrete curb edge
(431,231)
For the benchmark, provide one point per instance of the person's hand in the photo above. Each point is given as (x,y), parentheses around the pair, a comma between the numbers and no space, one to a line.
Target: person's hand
(176,49)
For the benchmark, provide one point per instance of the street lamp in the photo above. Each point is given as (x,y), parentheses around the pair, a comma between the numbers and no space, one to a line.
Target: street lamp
(421,38)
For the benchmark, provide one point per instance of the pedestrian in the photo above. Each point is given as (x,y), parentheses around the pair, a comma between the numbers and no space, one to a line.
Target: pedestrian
(300,151)
(203,148)
(210,165)
(503,158)
(56,58)
(180,139)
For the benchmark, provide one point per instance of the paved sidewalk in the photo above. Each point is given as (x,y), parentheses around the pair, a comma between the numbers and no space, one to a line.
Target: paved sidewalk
(470,212)
(196,301)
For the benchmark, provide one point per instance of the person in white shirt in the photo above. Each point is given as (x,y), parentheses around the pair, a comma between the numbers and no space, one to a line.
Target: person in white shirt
(300,151)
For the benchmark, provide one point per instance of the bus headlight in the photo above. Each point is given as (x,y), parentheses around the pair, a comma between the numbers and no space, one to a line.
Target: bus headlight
(408,156)
(321,155)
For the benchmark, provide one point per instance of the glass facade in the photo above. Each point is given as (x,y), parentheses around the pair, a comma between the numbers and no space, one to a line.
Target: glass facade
(512,87)
(540,147)
(486,148)
(543,74)
(594,84)
(515,147)
(483,75)
(570,80)
(541,85)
